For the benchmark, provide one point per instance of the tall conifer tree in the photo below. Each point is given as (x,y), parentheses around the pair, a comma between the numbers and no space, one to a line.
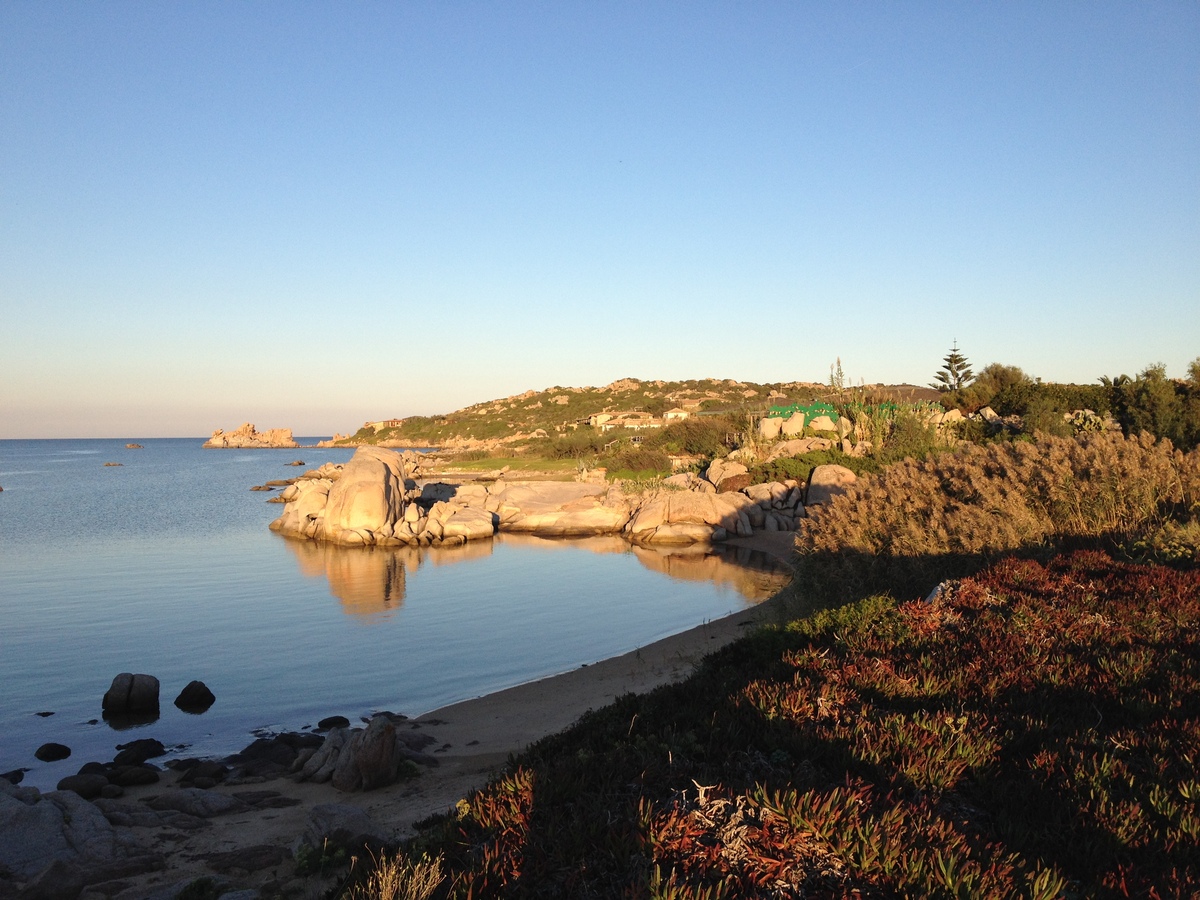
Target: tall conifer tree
(955,375)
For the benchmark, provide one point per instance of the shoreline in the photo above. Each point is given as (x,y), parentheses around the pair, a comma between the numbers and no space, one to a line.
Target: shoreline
(472,741)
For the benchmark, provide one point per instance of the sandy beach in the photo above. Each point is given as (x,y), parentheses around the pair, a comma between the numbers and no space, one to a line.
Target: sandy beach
(472,740)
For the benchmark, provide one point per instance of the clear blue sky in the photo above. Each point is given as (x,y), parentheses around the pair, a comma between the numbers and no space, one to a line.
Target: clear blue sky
(310,215)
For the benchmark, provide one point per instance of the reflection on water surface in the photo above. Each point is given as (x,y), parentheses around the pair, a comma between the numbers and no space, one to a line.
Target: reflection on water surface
(372,581)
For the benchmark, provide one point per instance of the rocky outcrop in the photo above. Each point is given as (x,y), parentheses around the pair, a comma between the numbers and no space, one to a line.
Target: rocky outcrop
(727,475)
(363,759)
(360,503)
(374,501)
(58,842)
(247,436)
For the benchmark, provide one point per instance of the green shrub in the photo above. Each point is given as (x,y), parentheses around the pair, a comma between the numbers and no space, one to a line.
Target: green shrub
(800,467)
(908,435)
(638,459)
(704,436)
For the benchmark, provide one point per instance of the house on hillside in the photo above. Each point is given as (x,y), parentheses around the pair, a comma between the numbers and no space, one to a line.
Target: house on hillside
(676,414)
(632,420)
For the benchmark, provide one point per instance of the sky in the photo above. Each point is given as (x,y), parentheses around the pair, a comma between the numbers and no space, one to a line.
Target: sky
(311,215)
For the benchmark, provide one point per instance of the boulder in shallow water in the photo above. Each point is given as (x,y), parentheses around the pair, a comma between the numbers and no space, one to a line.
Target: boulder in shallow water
(195,698)
(131,695)
(52,752)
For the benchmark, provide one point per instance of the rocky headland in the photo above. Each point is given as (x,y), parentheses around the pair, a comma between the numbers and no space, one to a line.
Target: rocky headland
(249,437)
(375,500)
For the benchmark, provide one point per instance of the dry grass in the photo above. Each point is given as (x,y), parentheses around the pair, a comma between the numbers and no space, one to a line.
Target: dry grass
(920,521)
(399,878)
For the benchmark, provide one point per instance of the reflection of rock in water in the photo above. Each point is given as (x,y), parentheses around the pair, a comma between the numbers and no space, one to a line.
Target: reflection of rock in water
(446,556)
(367,580)
(600,543)
(753,574)
(371,580)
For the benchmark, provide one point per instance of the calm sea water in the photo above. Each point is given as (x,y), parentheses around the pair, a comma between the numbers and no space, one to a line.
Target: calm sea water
(164,565)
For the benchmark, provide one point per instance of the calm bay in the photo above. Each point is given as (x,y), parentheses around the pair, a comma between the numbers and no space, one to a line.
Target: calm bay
(164,565)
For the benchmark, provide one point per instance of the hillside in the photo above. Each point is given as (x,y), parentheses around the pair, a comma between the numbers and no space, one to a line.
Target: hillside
(556,410)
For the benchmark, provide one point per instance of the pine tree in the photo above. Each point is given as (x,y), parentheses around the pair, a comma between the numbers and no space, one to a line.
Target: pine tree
(955,375)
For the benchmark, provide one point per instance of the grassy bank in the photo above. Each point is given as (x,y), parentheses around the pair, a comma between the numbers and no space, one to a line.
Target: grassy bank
(1032,731)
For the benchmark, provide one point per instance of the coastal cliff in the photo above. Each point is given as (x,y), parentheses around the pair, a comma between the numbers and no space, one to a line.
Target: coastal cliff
(247,436)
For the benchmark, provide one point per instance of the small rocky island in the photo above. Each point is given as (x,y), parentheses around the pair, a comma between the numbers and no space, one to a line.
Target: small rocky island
(249,437)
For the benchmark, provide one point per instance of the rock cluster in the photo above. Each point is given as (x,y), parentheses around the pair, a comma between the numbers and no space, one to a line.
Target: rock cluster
(85,838)
(363,759)
(247,436)
(374,501)
(56,843)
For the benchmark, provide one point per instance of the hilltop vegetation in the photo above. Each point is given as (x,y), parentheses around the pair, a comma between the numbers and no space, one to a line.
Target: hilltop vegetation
(646,435)
(525,418)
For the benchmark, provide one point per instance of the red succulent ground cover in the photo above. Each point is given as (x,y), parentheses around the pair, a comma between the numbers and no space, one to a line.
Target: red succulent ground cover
(1034,732)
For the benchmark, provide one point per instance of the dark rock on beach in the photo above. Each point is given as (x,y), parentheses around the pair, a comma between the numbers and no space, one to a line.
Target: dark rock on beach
(137,752)
(343,826)
(195,698)
(131,776)
(89,787)
(197,802)
(52,752)
(201,773)
(269,757)
(333,722)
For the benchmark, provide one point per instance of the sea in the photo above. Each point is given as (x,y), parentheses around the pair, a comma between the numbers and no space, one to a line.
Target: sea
(159,561)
